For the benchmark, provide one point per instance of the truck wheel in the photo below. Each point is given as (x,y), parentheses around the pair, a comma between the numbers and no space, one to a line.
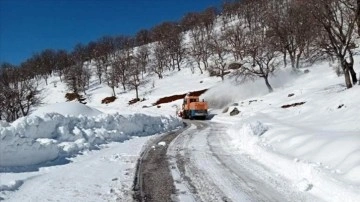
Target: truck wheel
(191,117)
(184,115)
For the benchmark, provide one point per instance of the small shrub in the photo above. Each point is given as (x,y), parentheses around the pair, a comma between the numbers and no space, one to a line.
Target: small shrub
(72,96)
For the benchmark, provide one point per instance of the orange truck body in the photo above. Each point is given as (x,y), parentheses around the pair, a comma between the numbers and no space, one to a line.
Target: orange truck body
(194,108)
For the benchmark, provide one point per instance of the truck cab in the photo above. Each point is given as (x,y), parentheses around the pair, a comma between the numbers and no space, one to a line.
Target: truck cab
(194,108)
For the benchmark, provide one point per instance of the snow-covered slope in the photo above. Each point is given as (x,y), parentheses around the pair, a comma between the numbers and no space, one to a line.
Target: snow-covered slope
(315,145)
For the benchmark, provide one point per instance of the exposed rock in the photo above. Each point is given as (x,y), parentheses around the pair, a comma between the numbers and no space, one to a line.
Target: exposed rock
(340,106)
(234,112)
(250,101)
(293,105)
(133,101)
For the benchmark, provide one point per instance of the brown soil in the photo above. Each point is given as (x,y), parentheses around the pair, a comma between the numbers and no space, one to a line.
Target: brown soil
(178,97)
(108,100)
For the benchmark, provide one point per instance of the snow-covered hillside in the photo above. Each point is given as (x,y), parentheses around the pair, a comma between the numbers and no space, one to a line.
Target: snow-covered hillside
(315,145)
(89,152)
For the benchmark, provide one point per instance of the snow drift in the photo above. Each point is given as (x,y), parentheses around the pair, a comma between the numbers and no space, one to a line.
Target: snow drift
(37,139)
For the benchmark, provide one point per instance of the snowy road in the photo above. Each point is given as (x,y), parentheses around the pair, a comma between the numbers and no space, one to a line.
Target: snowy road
(205,168)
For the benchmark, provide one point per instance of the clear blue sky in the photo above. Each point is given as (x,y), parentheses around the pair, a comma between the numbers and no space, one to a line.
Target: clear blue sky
(30,26)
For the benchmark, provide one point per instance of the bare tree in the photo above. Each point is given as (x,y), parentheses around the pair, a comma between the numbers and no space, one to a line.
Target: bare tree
(77,76)
(260,45)
(120,66)
(265,64)
(235,38)
(170,35)
(175,46)
(358,17)
(338,24)
(217,45)
(113,78)
(162,31)
(289,22)
(190,21)
(17,95)
(160,59)
(62,62)
(143,37)
(207,19)
(101,52)
(134,75)
(198,47)
(142,56)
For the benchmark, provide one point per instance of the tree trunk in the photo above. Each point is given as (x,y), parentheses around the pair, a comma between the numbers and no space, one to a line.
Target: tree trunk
(205,64)
(222,75)
(350,66)
(137,92)
(347,76)
(298,56)
(201,71)
(284,58)
(178,64)
(292,58)
(358,24)
(358,17)
(113,88)
(352,73)
(268,84)
(124,85)
(99,76)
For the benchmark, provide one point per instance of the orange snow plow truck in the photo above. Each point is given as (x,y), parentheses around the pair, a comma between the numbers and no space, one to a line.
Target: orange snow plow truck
(193,108)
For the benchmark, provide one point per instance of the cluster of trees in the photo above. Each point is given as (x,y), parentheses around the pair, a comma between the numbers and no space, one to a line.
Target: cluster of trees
(259,34)
(297,30)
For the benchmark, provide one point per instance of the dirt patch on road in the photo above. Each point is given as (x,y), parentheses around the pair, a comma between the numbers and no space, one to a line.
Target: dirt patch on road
(156,182)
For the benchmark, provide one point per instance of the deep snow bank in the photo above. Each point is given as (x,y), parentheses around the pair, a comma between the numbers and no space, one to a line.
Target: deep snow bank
(308,160)
(36,139)
(315,145)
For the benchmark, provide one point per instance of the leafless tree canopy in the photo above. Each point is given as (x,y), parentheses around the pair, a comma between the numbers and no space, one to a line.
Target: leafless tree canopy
(17,96)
